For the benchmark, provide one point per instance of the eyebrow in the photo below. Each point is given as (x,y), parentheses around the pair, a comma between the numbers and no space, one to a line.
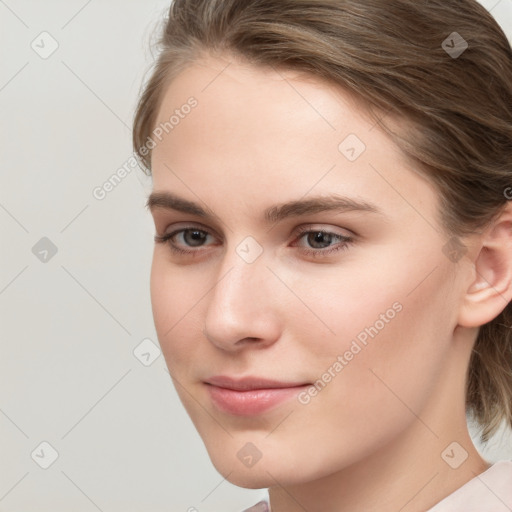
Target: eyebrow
(276,213)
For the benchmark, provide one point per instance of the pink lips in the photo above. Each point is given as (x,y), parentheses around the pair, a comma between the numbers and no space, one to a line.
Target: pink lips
(250,395)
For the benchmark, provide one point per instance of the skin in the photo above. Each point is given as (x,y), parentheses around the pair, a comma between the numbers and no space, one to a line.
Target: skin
(372,438)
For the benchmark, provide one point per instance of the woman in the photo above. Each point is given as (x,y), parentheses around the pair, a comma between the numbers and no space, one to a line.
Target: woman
(332,279)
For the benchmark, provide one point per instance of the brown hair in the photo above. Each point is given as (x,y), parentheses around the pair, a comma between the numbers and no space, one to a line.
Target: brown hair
(404,59)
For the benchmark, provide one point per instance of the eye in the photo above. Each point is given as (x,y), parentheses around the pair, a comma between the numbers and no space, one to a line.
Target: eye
(319,241)
(320,237)
(192,235)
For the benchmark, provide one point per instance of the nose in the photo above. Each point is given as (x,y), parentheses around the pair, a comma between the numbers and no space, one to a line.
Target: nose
(242,307)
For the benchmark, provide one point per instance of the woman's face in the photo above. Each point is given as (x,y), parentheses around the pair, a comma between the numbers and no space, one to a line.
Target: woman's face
(361,316)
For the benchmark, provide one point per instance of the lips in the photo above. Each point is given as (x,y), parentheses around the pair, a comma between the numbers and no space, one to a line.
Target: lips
(247,383)
(250,395)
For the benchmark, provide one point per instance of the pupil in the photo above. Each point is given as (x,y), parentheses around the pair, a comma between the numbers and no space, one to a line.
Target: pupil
(318,237)
(197,236)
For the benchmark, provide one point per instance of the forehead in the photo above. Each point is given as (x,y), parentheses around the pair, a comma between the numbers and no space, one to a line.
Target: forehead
(260,101)
(263,133)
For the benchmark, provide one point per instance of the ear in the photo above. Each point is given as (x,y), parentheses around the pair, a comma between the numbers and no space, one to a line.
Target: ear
(491,288)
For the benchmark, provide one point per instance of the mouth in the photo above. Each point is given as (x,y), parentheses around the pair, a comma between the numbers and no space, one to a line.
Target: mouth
(250,395)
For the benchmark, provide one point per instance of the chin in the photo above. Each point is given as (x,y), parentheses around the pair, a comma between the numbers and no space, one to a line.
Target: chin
(266,472)
(250,481)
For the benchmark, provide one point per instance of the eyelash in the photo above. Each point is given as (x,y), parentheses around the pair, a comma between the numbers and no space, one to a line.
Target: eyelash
(345,241)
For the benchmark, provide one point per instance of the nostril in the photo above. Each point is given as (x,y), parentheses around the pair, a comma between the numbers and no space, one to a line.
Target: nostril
(248,340)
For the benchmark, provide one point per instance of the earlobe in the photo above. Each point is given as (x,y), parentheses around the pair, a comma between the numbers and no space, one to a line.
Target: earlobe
(491,289)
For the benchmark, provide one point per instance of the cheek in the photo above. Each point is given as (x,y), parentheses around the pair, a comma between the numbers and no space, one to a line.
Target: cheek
(163,303)
(381,384)
(380,336)
(173,301)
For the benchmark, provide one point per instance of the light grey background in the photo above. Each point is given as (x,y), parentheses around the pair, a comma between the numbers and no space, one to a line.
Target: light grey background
(70,324)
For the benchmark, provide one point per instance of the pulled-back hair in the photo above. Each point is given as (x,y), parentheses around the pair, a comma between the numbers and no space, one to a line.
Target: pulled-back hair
(404,59)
